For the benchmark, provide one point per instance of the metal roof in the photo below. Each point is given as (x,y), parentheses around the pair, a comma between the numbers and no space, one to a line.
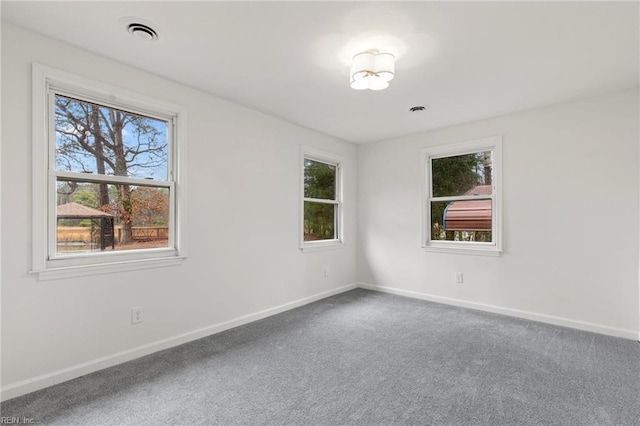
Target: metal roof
(473,215)
(78,211)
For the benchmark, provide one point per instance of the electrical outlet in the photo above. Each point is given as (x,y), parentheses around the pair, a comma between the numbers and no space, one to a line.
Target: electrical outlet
(459,278)
(326,272)
(136,315)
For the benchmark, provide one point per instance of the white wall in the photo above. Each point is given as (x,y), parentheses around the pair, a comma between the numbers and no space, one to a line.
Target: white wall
(242,235)
(570,218)
(571,225)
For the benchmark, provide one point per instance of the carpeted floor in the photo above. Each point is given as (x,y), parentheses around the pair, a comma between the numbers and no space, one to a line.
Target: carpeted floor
(362,358)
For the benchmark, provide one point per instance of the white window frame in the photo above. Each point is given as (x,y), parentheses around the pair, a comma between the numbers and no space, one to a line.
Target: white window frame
(494,248)
(337,161)
(46,263)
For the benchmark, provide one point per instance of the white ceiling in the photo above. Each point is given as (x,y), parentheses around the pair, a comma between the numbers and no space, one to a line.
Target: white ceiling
(465,61)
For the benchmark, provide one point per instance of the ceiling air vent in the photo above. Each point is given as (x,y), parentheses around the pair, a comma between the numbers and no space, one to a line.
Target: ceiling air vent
(417,108)
(142,32)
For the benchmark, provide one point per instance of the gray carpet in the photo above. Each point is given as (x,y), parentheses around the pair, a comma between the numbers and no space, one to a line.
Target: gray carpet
(362,358)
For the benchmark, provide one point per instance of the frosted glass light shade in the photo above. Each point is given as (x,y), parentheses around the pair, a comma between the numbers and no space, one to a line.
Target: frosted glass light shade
(372,70)
(385,66)
(378,83)
(362,62)
(360,84)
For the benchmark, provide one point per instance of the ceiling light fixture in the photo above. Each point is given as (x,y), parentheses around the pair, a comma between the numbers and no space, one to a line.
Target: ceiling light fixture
(372,70)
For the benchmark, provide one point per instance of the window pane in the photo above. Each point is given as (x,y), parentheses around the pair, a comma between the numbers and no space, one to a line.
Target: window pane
(319,180)
(468,174)
(319,221)
(106,217)
(461,220)
(91,138)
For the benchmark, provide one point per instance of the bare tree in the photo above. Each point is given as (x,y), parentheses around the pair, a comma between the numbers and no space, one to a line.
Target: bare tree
(92,138)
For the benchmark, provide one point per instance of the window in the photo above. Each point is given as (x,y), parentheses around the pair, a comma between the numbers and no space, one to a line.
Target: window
(109,178)
(462,205)
(321,201)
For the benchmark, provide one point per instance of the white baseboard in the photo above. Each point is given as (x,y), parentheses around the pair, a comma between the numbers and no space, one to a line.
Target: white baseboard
(549,319)
(40,382)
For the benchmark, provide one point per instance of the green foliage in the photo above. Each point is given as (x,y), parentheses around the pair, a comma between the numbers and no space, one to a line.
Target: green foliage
(452,176)
(456,175)
(319,180)
(85,196)
(320,183)
(319,221)
(85,222)
(75,192)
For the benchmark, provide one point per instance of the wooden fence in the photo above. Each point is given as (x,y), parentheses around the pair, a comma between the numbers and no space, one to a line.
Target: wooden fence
(146,233)
(78,234)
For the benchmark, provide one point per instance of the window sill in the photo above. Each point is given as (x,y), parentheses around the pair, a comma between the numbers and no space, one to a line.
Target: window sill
(476,251)
(55,273)
(320,246)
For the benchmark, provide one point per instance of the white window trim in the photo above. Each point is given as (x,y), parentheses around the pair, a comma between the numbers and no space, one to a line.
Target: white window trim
(57,267)
(338,161)
(492,143)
